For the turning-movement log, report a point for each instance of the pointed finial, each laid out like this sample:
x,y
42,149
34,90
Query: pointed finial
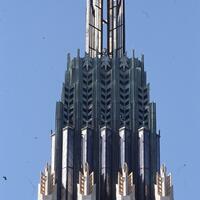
x,y
68,60
142,59
78,53
125,169
133,53
86,169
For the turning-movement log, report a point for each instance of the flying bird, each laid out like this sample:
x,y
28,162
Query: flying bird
x,y
5,178
146,14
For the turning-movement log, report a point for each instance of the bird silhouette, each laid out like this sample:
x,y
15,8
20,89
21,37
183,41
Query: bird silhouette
x,y
5,178
146,14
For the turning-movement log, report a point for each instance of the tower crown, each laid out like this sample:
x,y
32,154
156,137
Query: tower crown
x,y
105,122
114,24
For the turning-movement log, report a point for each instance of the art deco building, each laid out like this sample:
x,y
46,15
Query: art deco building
x,y
106,145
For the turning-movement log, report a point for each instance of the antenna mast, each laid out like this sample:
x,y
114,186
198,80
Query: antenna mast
x,y
115,24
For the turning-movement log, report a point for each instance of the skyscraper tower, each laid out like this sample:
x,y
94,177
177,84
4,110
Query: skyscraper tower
x,y
105,145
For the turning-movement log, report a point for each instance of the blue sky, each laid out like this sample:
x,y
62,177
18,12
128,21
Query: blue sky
x,y
35,37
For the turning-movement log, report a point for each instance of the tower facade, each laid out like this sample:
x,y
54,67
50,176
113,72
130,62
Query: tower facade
x,y
105,145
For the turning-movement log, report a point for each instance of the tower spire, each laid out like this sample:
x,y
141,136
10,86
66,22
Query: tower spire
x,y
115,27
